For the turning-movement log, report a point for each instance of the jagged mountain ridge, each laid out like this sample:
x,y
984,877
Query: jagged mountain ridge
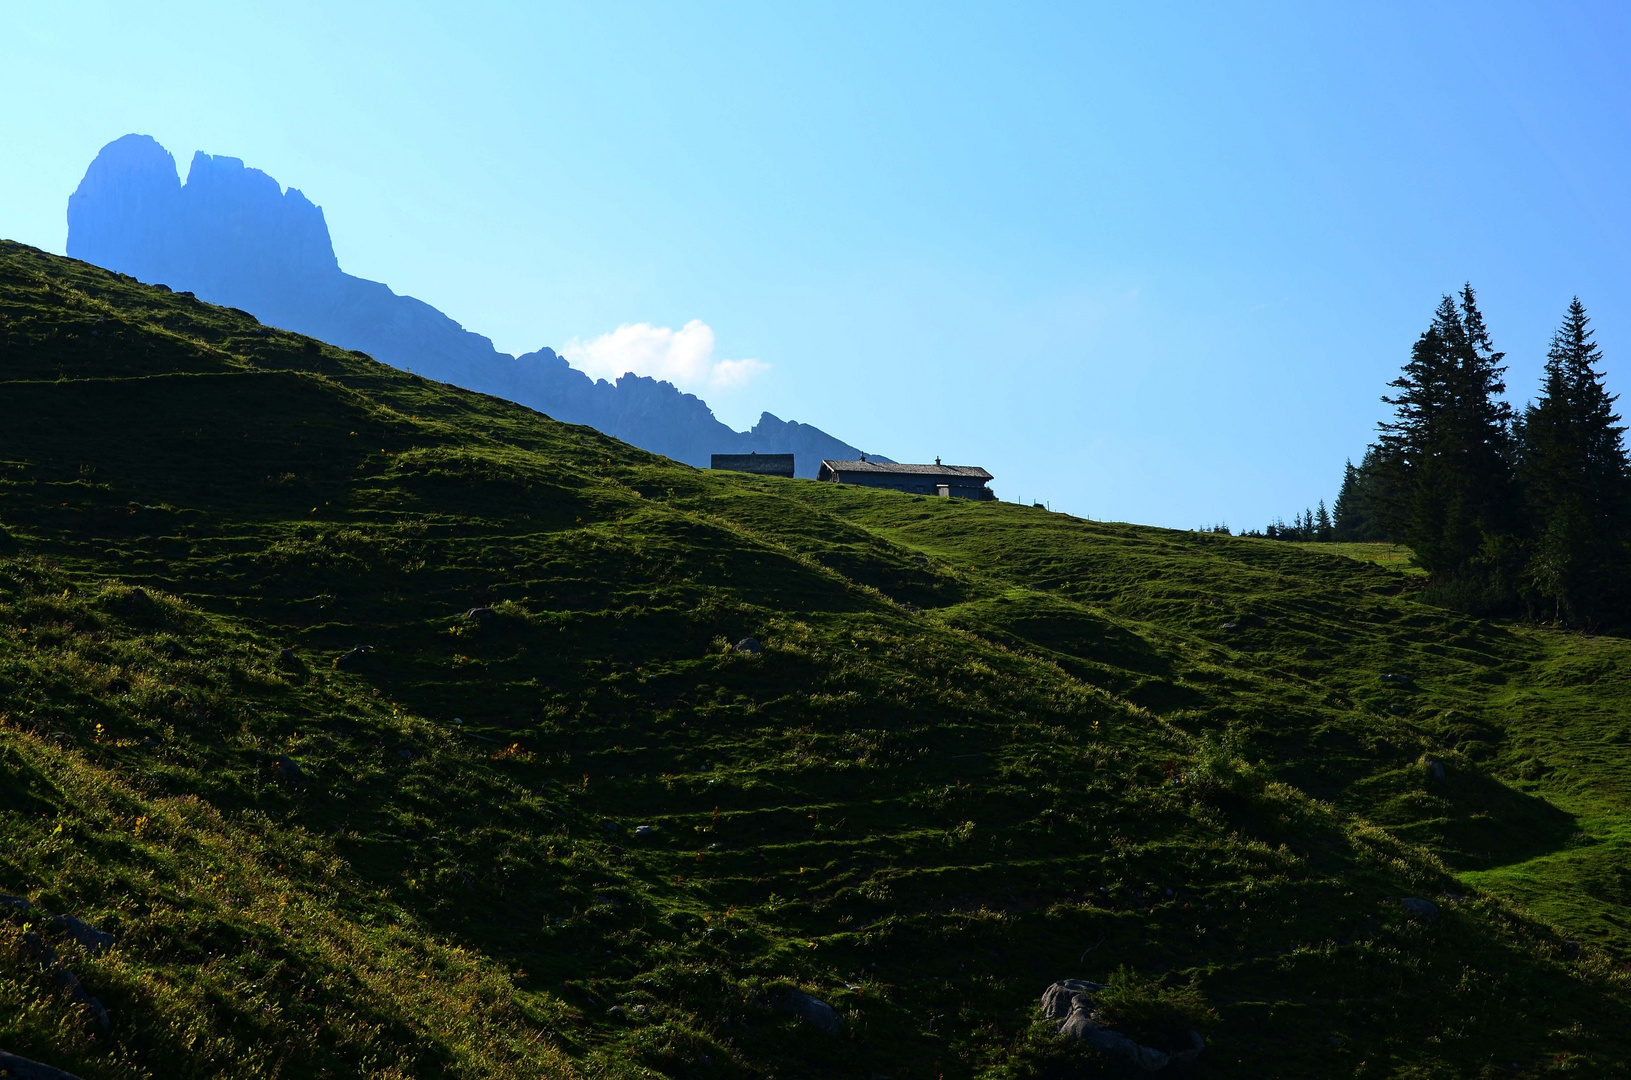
x,y
233,236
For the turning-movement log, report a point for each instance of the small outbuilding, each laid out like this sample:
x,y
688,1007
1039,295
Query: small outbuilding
x,y
946,481
756,463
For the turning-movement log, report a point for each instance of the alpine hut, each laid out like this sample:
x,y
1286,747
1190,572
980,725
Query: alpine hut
x,y
948,481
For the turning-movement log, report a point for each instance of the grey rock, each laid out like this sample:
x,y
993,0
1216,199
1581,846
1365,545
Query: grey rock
x,y
1058,999
1402,681
35,948
818,1014
481,614
13,1067
288,658
288,768
1434,767
16,903
617,1013
69,983
352,657
1419,908
748,645
1070,1002
609,826
643,831
94,941
1081,1025
1231,626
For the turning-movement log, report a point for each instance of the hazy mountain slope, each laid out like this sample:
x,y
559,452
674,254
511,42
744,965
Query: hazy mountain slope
x,y
984,747
233,236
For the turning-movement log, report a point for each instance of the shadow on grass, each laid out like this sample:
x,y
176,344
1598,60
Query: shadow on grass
x,y
1470,819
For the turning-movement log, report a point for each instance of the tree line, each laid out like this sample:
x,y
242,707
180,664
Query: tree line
x,y
1507,510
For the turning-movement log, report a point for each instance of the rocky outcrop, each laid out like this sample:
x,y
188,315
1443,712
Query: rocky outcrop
x,y
233,236
1070,1004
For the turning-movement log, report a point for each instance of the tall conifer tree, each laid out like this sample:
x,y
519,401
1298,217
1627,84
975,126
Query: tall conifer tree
x,y
1355,516
1444,463
1577,481
1345,510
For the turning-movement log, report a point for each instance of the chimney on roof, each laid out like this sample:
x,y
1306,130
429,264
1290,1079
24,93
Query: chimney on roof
x,y
863,457
937,459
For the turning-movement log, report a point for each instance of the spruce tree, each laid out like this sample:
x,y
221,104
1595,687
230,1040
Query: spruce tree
x,y
1444,463
1577,482
1345,510
1482,436
1322,523
1355,516
1406,443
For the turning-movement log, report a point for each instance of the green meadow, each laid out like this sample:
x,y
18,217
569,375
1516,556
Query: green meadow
x,y
397,731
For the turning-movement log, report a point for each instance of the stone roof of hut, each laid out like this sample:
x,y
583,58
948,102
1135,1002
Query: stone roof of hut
x,y
969,472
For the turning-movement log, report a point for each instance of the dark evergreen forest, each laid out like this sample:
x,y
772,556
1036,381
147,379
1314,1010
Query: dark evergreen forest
x,y
1523,512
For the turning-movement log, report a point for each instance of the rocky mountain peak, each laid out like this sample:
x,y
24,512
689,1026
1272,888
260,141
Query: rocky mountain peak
x,y
234,236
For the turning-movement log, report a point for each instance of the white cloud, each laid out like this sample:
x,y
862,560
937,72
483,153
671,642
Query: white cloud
x,y
685,357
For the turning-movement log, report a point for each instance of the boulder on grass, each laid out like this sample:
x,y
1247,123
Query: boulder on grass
x,y
13,1067
1060,998
818,1014
353,657
1070,1003
68,982
94,941
1418,908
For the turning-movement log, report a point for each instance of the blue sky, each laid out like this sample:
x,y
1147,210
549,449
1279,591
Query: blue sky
x,y
1146,262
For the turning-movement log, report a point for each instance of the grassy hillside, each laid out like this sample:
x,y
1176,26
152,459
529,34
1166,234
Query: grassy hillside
x,y
338,696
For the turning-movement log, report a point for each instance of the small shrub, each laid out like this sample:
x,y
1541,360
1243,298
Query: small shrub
x,y
1146,1011
515,613
138,607
1219,767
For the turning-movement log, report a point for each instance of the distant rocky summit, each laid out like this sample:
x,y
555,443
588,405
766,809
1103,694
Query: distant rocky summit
x,y
233,236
